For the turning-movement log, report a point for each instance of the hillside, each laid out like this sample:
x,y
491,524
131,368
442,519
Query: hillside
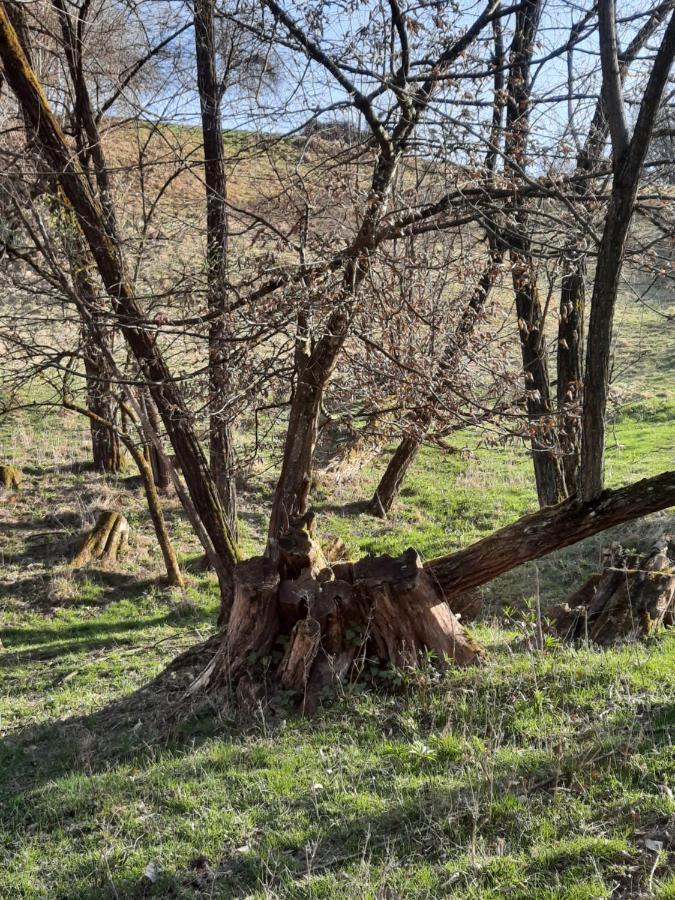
x,y
542,773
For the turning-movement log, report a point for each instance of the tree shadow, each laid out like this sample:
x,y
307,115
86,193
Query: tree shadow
x,y
138,728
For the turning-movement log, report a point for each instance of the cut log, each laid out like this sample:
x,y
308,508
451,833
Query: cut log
x,y
106,542
630,598
10,478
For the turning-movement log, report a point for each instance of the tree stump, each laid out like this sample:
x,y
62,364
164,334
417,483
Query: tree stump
x,y
632,596
309,625
10,478
106,542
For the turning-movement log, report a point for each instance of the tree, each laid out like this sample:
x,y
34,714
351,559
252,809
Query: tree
x,y
326,620
220,439
628,156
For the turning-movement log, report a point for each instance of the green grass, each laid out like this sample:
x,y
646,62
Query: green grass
x,y
535,775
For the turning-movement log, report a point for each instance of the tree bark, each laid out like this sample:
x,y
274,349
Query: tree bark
x,y
573,291
96,350
630,598
334,622
151,426
547,469
10,478
627,158
220,436
105,250
106,541
549,529
569,363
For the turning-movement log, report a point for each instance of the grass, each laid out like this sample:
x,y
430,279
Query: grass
x,y
537,775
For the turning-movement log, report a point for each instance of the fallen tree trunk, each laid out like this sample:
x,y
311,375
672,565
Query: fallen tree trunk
x,y
300,625
549,529
106,541
630,598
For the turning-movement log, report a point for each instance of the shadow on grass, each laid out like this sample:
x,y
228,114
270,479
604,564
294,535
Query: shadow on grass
x,y
427,823
85,637
447,808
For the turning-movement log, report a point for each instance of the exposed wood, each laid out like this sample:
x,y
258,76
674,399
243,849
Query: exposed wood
x,y
547,530
106,542
379,611
630,598
10,477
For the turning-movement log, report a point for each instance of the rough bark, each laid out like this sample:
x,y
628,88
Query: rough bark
x,y
390,483
549,529
106,452
151,426
101,238
628,157
630,598
106,542
96,349
547,467
573,289
569,363
330,622
220,437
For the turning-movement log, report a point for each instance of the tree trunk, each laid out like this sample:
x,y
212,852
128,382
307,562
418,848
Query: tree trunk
x,y
105,444
10,478
569,358
220,437
102,240
151,426
331,622
173,573
547,469
390,483
628,156
549,529
573,289
301,625
106,541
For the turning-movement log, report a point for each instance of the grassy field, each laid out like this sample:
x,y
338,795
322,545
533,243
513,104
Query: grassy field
x,y
541,774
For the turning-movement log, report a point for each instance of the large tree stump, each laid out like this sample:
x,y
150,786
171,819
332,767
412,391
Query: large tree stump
x,y
106,541
10,478
305,625
631,597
